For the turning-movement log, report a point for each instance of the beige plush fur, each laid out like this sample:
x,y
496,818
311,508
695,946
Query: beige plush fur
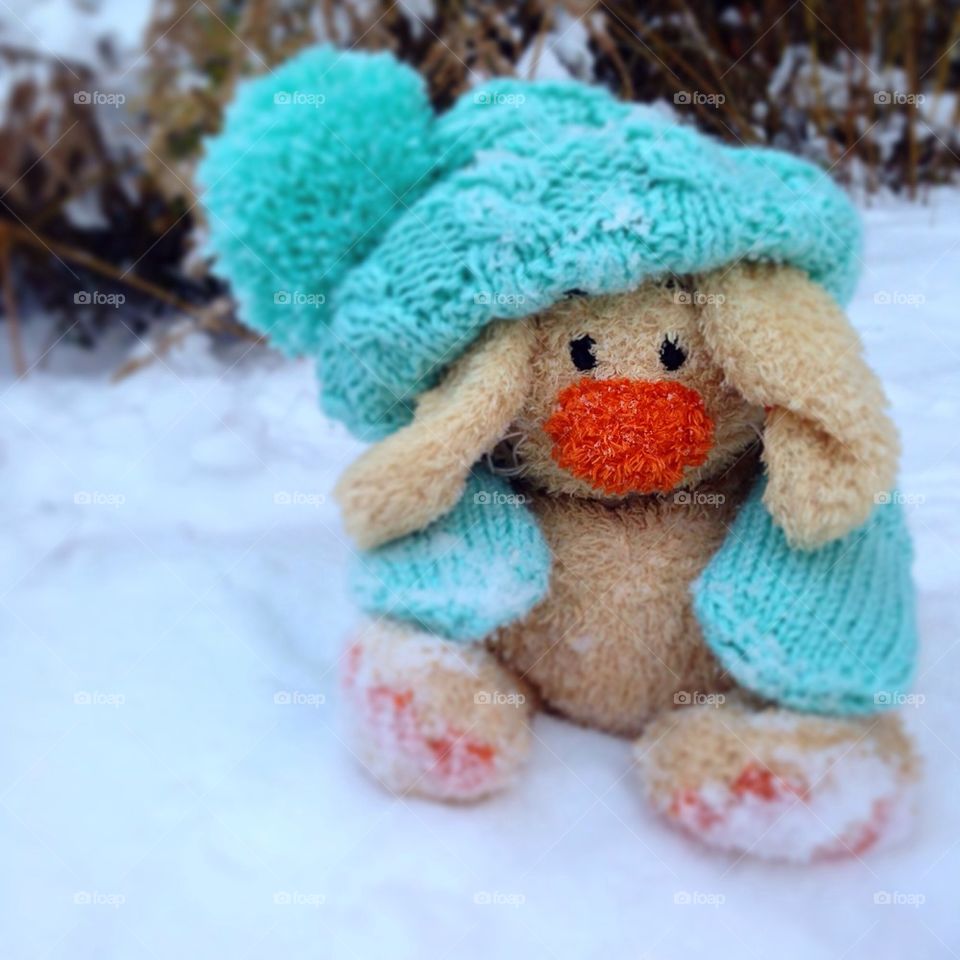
x,y
829,447
615,643
713,743
418,474
616,640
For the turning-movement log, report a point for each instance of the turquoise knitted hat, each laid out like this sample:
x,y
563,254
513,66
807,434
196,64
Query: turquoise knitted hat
x,y
357,226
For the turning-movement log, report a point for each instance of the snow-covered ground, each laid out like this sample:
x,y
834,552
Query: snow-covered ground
x,y
172,779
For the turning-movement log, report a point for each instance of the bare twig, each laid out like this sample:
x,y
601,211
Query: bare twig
x,y
910,63
10,305
97,265
214,319
546,24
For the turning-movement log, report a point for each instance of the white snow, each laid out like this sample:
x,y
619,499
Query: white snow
x,y
564,53
72,29
172,778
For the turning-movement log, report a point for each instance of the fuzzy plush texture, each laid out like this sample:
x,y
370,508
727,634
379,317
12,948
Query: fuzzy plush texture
x,y
480,566
297,191
831,630
419,473
419,232
630,436
780,785
616,641
829,448
431,719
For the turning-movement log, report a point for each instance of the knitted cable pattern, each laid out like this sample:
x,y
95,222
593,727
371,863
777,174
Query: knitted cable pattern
x,y
596,208
484,564
356,225
830,630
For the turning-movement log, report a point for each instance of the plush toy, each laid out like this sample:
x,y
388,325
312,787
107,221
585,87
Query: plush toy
x,y
631,465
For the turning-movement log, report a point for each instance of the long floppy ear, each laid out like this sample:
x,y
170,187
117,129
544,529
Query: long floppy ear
x,y
418,473
829,447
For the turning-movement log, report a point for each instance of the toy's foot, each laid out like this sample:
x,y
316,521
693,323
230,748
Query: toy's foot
x,y
431,718
780,785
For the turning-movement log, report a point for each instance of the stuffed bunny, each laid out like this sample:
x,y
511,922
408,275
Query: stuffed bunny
x,y
631,466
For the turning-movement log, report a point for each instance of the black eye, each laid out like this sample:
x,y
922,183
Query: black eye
x,y
672,355
581,353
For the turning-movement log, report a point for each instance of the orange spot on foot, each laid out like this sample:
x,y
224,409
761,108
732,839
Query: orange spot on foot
x,y
455,754
759,781
690,809
861,837
458,764
382,694
351,665
482,751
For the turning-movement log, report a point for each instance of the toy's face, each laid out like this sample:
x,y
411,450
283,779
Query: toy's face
x,y
625,398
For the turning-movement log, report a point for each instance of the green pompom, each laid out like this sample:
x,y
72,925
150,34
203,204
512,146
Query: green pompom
x,y
314,162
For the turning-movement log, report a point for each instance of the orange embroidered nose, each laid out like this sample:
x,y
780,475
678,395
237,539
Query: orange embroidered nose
x,y
629,436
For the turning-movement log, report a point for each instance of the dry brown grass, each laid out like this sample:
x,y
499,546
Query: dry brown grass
x,y
803,75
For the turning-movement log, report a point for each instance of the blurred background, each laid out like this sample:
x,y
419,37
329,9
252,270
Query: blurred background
x,y
104,105
173,778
